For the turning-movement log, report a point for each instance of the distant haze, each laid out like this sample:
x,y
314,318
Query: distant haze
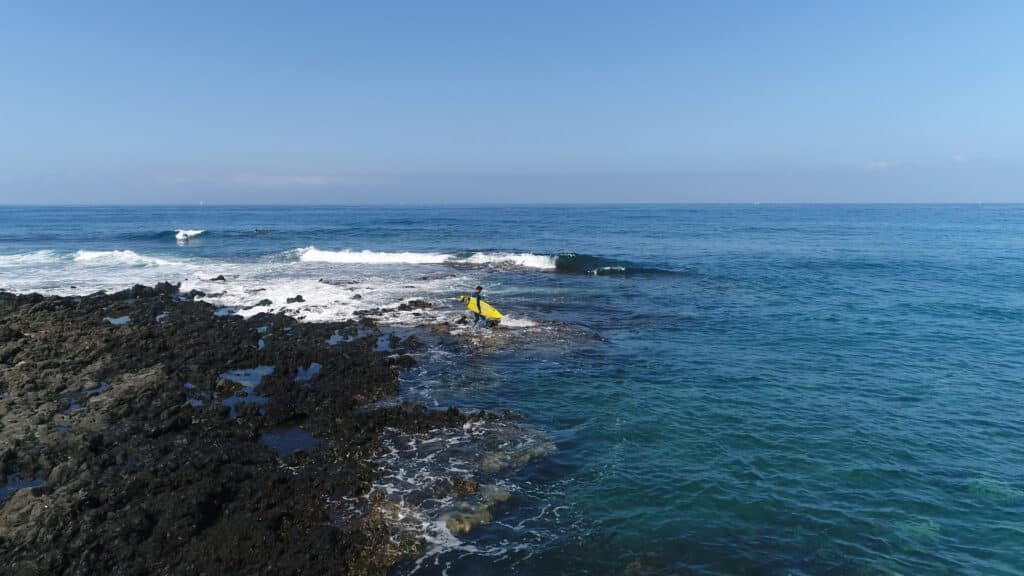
x,y
470,102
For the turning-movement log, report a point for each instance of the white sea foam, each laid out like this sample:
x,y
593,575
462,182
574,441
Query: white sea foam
x,y
116,258
415,465
516,259
184,235
36,258
85,271
246,295
312,254
523,260
251,287
330,292
514,322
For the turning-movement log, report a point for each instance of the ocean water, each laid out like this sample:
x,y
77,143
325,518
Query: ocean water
x,y
757,389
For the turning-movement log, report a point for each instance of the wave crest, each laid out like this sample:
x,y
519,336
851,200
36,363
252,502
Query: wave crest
x,y
29,258
522,260
567,262
512,259
116,258
312,254
185,235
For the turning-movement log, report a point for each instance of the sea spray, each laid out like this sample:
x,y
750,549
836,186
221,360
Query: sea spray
x,y
185,235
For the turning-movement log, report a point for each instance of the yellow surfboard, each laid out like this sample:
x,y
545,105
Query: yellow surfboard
x,y
486,310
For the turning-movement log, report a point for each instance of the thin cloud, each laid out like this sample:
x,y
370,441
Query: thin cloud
x,y
880,166
282,181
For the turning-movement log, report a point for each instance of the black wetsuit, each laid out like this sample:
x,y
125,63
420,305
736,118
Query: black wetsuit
x,y
477,316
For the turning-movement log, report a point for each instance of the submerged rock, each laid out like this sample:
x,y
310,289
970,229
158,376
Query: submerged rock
x,y
465,520
464,486
462,523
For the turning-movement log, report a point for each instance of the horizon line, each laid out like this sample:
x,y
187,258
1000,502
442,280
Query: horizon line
x,y
508,204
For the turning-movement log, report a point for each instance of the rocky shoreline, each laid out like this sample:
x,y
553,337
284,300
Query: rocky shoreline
x,y
142,433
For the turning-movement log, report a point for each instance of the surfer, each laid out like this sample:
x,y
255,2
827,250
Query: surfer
x,y
483,313
478,318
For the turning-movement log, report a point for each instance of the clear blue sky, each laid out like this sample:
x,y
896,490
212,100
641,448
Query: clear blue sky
x,y
180,102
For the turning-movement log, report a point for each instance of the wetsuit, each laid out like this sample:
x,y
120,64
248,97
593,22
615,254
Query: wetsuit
x,y
478,318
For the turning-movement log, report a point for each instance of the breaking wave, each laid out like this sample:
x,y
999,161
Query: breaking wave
x,y
522,260
29,258
116,258
566,262
185,235
312,254
81,257
180,235
516,259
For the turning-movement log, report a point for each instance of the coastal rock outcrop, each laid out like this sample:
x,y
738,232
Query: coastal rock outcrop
x,y
135,447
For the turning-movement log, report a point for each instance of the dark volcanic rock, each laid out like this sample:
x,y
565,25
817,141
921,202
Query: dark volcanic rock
x,y
414,305
296,298
143,468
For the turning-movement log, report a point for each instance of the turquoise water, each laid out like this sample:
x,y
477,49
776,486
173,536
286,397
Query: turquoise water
x,y
728,389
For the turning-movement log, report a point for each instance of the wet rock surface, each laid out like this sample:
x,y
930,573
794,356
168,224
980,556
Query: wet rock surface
x,y
133,463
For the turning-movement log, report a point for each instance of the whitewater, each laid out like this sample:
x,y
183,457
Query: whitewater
x,y
268,282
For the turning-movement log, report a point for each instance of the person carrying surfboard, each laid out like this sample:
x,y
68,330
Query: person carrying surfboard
x,y
474,302
483,313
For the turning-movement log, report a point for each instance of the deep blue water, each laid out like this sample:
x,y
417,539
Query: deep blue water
x,y
758,389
